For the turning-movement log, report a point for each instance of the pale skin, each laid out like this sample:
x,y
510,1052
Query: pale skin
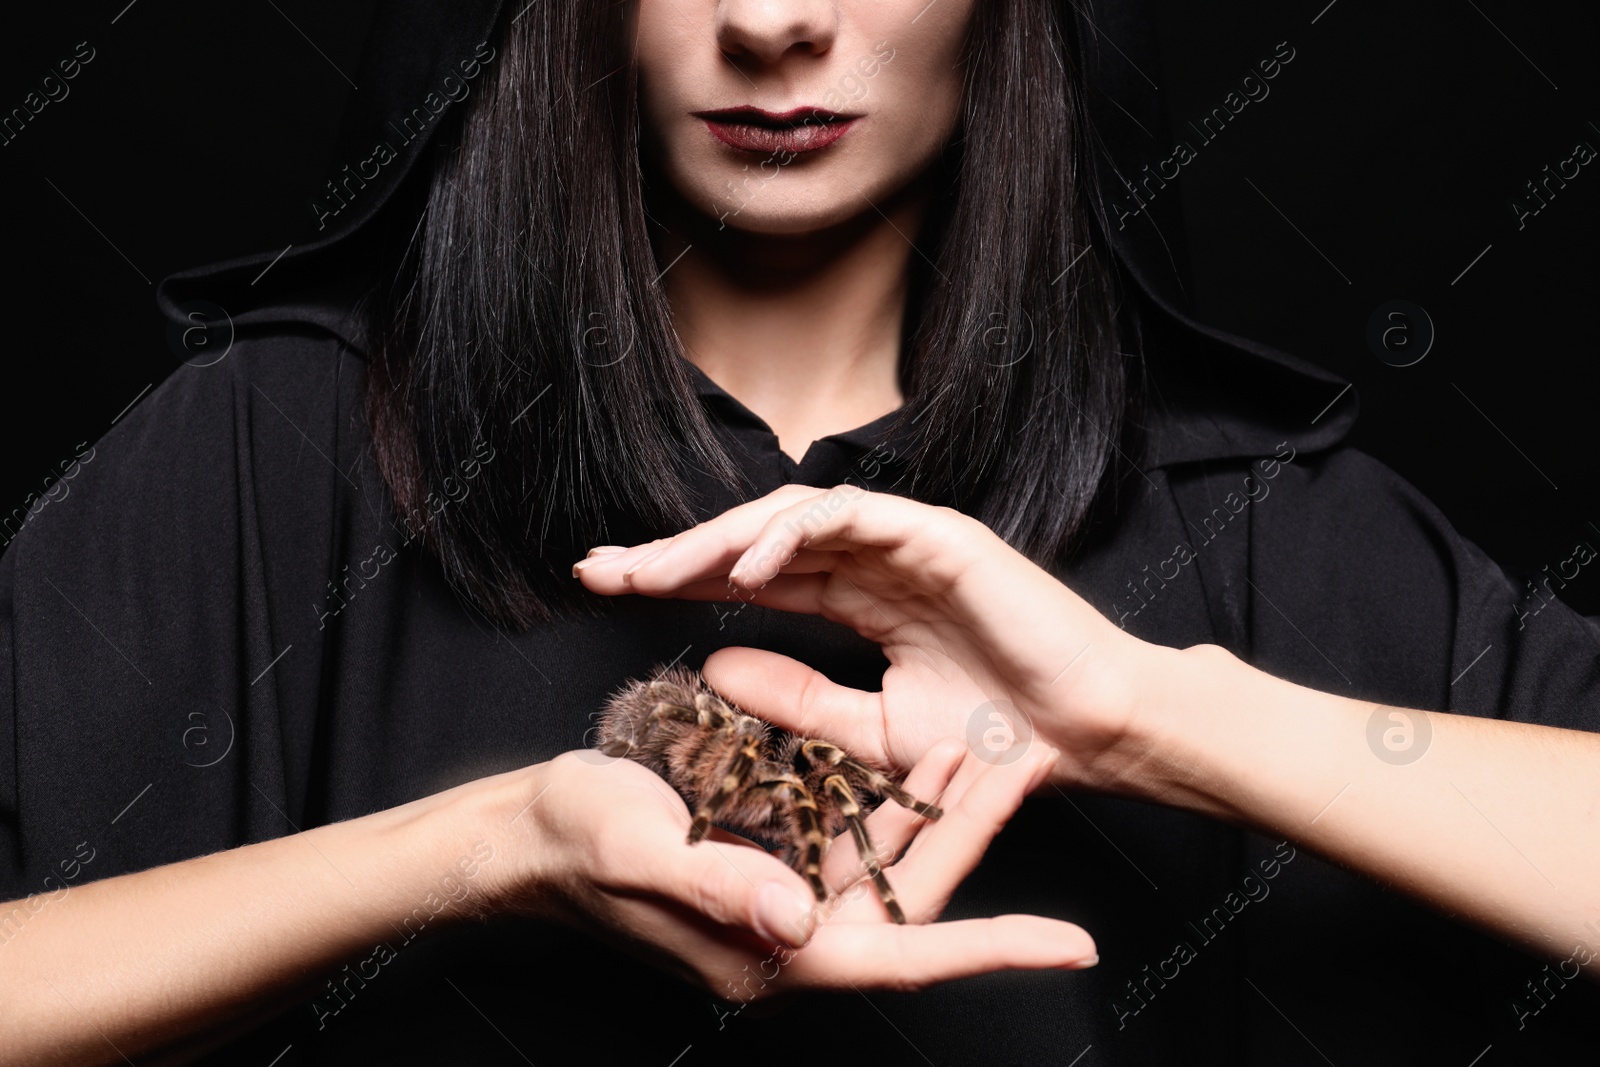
x,y
168,963
964,619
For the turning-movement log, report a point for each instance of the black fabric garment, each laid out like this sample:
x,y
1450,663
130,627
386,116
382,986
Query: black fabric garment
x,y
181,680
223,634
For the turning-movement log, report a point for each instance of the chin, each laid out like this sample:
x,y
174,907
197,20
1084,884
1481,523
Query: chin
x,y
796,204
792,219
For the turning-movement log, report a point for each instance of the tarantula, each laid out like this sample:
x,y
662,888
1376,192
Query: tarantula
x,y
750,776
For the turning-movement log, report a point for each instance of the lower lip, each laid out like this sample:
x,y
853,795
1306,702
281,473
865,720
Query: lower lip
x,y
762,139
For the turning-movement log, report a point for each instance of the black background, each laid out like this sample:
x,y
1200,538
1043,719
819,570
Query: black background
x,y
1382,163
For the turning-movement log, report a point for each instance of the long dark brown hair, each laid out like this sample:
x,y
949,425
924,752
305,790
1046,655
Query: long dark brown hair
x,y
523,313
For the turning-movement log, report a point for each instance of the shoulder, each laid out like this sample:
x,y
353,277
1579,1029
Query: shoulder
x,y
1326,505
1346,505
147,613
1352,580
206,517
257,429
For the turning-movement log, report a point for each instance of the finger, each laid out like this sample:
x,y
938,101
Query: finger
x,y
801,561
914,957
955,786
802,589
946,851
892,827
734,885
800,699
848,517
708,548
616,573
967,772
750,543
618,560
728,837
800,593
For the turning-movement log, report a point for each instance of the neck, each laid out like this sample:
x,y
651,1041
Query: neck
x,y
804,330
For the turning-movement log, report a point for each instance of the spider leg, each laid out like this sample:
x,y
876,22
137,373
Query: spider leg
x,y
709,708
706,707
850,808
877,781
664,709
744,761
803,809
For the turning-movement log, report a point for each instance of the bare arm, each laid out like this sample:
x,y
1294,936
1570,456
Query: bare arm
x,y
179,958
1497,822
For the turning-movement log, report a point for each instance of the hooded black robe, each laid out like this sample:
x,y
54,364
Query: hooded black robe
x,y
224,633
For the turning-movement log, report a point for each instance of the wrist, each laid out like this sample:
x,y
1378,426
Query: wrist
x,y
1191,707
498,815
1190,695
1215,735
1100,708
457,849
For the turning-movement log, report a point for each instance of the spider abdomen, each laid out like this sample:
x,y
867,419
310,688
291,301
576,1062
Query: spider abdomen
x,y
751,777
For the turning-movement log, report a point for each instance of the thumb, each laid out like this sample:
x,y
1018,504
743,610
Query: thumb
x,y
804,701
737,885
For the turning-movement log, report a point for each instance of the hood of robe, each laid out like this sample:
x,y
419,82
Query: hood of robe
x,y
1214,395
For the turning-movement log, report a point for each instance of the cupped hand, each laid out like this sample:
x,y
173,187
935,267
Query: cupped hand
x,y
606,852
982,643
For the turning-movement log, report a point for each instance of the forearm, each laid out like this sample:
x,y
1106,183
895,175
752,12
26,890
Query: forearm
x,y
177,958
1496,822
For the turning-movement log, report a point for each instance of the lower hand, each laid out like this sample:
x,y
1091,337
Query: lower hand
x,y
604,850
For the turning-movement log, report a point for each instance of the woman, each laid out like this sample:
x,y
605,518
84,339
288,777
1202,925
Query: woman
x,y
843,288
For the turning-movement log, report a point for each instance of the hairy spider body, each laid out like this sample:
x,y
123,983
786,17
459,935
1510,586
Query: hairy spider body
x,y
752,777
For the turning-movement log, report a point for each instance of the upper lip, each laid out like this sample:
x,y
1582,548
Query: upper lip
x,y
747,114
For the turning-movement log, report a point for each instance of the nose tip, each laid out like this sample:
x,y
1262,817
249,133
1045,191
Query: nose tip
x,y
764,31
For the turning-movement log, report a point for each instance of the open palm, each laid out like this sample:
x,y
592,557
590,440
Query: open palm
x,y
606,840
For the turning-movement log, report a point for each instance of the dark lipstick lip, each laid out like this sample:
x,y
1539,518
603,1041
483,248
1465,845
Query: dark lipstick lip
x,y
750,115
788,134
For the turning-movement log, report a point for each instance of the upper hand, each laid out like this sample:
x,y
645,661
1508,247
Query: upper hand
x,y
979,639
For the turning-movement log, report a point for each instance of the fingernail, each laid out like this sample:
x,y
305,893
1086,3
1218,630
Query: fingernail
x,y
1084,964
1047,763
782,917
595,555
629,572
